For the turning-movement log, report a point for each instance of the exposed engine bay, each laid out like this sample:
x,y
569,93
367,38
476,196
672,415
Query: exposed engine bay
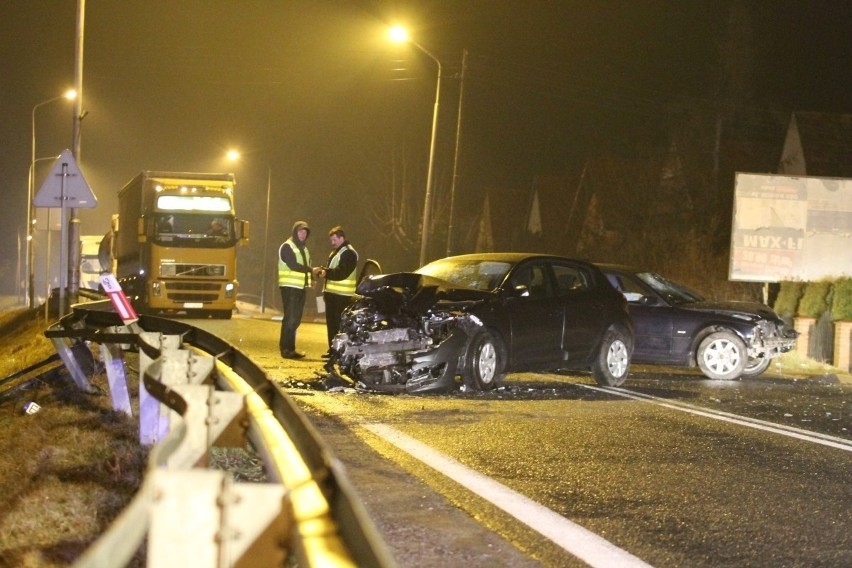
x,y
406,332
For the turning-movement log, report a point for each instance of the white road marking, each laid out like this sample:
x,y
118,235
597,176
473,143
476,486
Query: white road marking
x,y
791,431
576,540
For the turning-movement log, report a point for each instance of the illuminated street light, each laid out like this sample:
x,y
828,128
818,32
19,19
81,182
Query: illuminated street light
x,y
70,95
234,155
400,35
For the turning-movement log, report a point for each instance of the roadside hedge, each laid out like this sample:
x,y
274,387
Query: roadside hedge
x,y
841,300
813,299
787,301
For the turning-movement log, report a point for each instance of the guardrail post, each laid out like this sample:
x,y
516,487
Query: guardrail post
x,y
116,376
69,350
244,525
153,426
213,418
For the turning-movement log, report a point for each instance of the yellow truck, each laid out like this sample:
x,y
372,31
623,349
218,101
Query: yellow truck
x,y
173,243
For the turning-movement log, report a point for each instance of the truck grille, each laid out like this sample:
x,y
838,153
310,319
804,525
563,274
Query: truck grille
x,y
192,291
174,270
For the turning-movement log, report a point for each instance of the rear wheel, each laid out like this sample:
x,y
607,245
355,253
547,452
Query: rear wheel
x,y
613,360
485,362
722,356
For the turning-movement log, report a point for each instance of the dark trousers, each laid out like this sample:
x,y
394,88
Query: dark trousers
x,y
334,306
293,302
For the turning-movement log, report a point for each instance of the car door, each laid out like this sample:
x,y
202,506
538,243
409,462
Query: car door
x,y
652,318
583,313
535,317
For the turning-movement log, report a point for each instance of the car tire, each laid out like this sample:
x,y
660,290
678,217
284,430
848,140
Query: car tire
x,y
485,362
756,366
613,360
722,356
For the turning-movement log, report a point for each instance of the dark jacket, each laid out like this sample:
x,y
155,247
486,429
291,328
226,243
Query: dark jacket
x,y
288,255
348,262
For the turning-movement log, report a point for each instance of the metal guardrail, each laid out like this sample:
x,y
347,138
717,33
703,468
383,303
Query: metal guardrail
x,y
196,516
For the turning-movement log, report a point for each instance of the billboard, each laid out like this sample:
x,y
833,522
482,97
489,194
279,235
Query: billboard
x,y
791,228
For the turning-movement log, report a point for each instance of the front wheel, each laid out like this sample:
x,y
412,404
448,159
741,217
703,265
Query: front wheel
x,y
756,366
613,360
485,362
722,356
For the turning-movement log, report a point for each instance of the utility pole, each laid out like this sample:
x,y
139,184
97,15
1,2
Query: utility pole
x,y
73,243
456,157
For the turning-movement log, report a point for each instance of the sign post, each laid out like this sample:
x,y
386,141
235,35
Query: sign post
x,y
119,299
65,187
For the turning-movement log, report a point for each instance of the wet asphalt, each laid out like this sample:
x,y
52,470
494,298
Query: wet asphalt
x,y
673,469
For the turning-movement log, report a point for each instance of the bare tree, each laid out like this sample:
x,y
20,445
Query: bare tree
x,y
395,214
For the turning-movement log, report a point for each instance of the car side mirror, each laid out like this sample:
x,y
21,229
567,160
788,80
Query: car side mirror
x,y
521,290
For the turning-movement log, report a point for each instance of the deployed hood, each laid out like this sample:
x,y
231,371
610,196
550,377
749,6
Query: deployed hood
x,y
414,293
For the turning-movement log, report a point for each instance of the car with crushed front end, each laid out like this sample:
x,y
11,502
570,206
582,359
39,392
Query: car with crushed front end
x,y
479,316
676,326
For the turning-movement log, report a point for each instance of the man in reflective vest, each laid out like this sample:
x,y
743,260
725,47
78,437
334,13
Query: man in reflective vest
x,y
340,282
294,276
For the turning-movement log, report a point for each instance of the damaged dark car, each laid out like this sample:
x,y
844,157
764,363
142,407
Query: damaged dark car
x,y
677,326
479,316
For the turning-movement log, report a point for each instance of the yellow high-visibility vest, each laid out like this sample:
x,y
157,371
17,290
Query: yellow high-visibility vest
x,y
345,287
292,278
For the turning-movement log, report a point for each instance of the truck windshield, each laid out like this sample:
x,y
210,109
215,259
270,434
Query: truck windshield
x,y
194,229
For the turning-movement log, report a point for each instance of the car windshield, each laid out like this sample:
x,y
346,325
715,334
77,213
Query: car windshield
x,y
475,274
672,292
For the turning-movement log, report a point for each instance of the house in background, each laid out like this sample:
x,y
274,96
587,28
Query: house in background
x,y
818,144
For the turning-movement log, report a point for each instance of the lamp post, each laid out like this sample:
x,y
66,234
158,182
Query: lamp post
x,y
71,94
399,35
30,244
265,240
234,155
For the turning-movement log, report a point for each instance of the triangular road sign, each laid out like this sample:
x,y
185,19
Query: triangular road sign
x,y
65,186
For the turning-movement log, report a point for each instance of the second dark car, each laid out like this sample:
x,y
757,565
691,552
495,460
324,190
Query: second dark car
x,y
479,316
675,326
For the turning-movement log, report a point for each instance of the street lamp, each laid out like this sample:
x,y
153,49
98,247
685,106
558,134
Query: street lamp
x,y
234,155
70,95
400,35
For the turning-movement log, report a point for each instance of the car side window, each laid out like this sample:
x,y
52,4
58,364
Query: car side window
x,y
569,279
536,279
631,289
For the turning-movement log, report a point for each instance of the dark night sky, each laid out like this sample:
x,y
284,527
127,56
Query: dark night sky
x,y
312,90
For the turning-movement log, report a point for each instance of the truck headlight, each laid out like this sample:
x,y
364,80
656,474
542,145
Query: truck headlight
x,y
229,289
155,289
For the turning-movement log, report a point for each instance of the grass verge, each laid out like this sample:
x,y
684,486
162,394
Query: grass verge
x,y
67,471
